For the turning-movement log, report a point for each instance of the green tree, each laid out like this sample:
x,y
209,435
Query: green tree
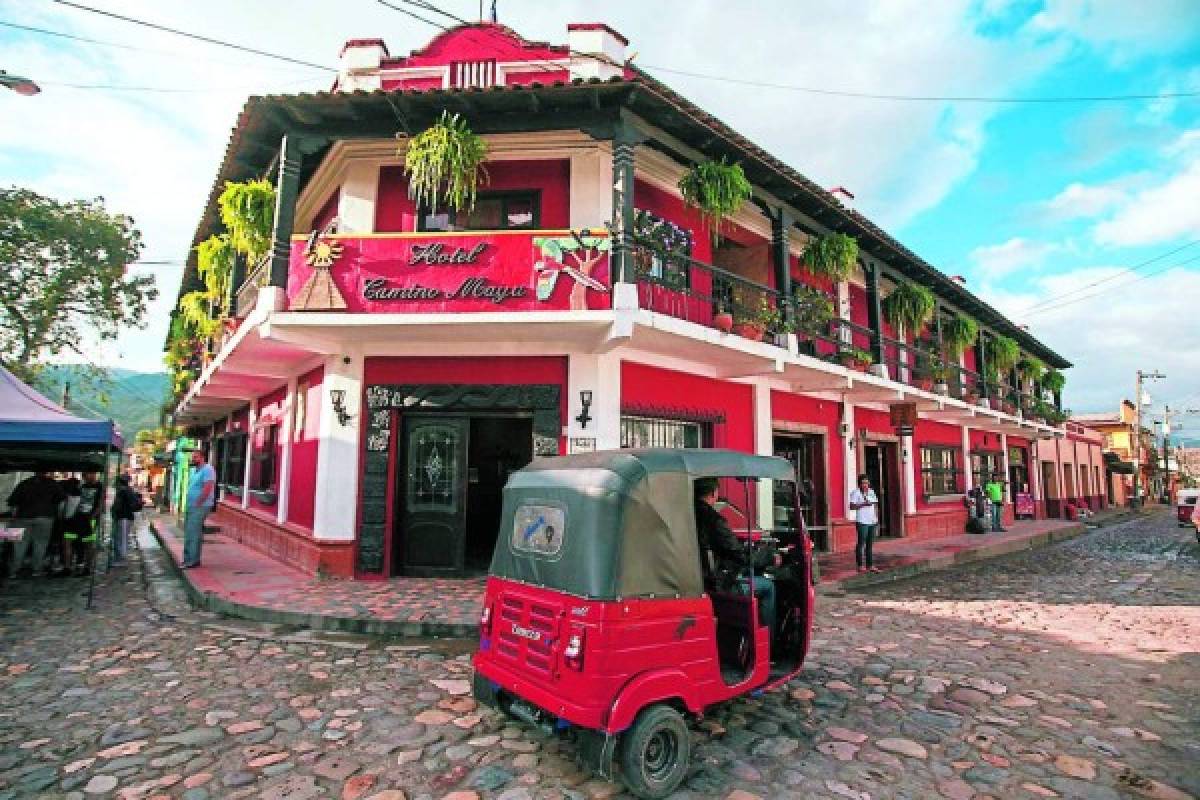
x,y
63,273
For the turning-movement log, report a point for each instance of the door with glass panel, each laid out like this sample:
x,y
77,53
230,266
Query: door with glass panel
x,y
432,489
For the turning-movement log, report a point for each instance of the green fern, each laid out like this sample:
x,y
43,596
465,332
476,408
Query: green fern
x,y
833,256
1054,380
248,213
718,189
958,334
910,305
1003,354
445,161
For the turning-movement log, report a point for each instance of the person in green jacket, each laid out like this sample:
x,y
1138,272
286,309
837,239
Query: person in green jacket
x,y
995,492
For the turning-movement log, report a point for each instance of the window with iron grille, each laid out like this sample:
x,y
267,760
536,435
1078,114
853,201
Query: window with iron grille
x,y
985,464
939,470
233,468
265,468
640,431
493,211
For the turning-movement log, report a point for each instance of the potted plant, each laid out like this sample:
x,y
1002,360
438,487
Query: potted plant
x,y
832,256
959,333
717,188
1031,368
723,320
811,310
939,373
909,307
445,162
754,321
1003,354
855,358
1054,381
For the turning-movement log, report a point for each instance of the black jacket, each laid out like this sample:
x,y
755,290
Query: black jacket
x,y
126,503
36,496
715,534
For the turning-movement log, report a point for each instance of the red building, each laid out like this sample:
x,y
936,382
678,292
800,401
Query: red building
x,y
385,378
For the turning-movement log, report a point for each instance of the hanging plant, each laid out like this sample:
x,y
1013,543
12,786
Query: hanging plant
x,y
248,212
1031,368
910,306
718,189
445,163
812,310
215,257
1003,354
958,334
833,256
1054,380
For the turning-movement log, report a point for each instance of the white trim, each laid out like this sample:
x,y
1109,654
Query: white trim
x,y
251,422
908,474
335,500
850,451
968,478
284,481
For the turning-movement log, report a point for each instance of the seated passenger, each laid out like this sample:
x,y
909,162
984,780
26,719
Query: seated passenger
x,y
715,534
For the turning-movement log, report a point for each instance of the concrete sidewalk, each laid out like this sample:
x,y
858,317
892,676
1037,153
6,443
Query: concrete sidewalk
x,y
239,581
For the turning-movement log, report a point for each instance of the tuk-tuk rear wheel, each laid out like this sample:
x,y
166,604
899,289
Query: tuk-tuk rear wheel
x,y
654,752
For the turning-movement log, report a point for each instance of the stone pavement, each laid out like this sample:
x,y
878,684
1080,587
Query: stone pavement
x,y
239,581
1072,671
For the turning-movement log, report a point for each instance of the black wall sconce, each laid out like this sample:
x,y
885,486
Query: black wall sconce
x,y
585,400
338,398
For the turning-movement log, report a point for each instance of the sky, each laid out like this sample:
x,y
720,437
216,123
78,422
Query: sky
x,y
1079,219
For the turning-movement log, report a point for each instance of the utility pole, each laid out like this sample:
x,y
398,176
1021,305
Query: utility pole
x,y
66,394
1137,431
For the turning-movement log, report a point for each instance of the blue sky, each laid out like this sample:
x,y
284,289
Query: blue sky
x,y
1030,202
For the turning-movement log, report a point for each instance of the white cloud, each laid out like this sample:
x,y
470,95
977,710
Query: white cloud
x,y
1080,200
1105,330
1162,213
1120,29
998,260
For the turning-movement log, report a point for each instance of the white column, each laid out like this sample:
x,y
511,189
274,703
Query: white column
x,y
764,445
843,310
251,422
285,458
909,477
336,490
850,478
1008,495
591,188
600,374
356,204
968,479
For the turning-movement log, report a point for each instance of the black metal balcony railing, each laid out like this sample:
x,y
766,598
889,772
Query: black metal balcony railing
x,y
247,293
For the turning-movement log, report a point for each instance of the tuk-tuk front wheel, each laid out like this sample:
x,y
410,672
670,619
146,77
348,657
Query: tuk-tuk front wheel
x,y
654,752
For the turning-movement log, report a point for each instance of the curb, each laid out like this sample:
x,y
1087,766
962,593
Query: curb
x,y
984,553
209,601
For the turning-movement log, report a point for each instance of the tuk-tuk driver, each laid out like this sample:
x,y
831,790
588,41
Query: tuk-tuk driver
x,y
715,534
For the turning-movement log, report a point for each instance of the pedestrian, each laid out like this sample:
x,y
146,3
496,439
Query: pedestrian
x,y
126,503
84,524
995,492
865,505
72,487
200,494
35,503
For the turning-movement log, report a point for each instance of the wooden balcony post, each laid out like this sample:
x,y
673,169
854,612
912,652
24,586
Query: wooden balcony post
x,y
237,276
625,140
875,312
287,189
981,364
781,223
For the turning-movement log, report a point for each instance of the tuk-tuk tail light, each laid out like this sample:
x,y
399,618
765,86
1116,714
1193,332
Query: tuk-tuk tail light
x,y
573,654
485,619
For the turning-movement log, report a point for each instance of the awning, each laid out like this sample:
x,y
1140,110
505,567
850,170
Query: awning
x,y
36,433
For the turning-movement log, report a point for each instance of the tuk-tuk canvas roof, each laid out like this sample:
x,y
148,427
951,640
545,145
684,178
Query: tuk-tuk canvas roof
x,y
630,522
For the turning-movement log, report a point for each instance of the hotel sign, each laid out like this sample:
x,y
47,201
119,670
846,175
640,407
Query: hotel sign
x,y
495,271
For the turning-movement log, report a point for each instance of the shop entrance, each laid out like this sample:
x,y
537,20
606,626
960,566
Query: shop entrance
x,y
453,468
880,463
806,451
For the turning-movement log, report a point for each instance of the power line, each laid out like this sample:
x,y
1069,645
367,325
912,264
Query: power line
x,y
1096,294
926,98
122,46
109,87
1127,270
195,36
408,13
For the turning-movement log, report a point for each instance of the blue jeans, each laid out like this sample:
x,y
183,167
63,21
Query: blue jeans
x,y
193,534
997,510
862,547
764,590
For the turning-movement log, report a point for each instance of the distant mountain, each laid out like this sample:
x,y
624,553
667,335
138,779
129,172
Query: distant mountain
x,y
134,400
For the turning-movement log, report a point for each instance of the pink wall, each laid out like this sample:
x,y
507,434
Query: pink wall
x,y
270,414
305,444
645,388
494,42
395,212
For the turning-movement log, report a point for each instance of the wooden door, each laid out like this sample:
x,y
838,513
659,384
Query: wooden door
x,y
433,486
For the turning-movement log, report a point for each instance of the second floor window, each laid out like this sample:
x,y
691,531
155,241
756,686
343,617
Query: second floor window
x,y
493,211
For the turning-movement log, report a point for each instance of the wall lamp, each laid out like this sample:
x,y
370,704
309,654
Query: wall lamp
x,y
585,400
338,398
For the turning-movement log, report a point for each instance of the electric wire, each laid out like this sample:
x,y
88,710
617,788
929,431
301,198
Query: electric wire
x,y
195,36
1150,274
1125,271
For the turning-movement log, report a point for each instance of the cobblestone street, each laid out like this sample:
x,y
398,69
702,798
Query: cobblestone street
x,y
1071,671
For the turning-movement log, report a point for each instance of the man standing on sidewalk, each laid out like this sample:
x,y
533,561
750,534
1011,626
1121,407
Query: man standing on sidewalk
x,y
201,488
995,493
865,505
35,503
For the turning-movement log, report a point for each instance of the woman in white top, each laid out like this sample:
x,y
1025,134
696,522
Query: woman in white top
x,y
865,505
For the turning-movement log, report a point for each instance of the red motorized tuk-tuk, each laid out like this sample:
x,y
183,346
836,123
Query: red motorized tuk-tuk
x,y
603,617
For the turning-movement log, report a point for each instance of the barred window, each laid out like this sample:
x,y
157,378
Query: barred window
x,y
939,470
638,431
984,465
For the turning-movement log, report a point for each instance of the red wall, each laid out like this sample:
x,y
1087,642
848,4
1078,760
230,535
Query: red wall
x,y
647,388
305,444
672,208
478,43
395,212
328,211
940,433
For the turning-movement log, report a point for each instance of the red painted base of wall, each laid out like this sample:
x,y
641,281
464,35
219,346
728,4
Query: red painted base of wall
x,y
292,546
933,523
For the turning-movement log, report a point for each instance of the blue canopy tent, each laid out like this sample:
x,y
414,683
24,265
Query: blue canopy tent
x,y
37,434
